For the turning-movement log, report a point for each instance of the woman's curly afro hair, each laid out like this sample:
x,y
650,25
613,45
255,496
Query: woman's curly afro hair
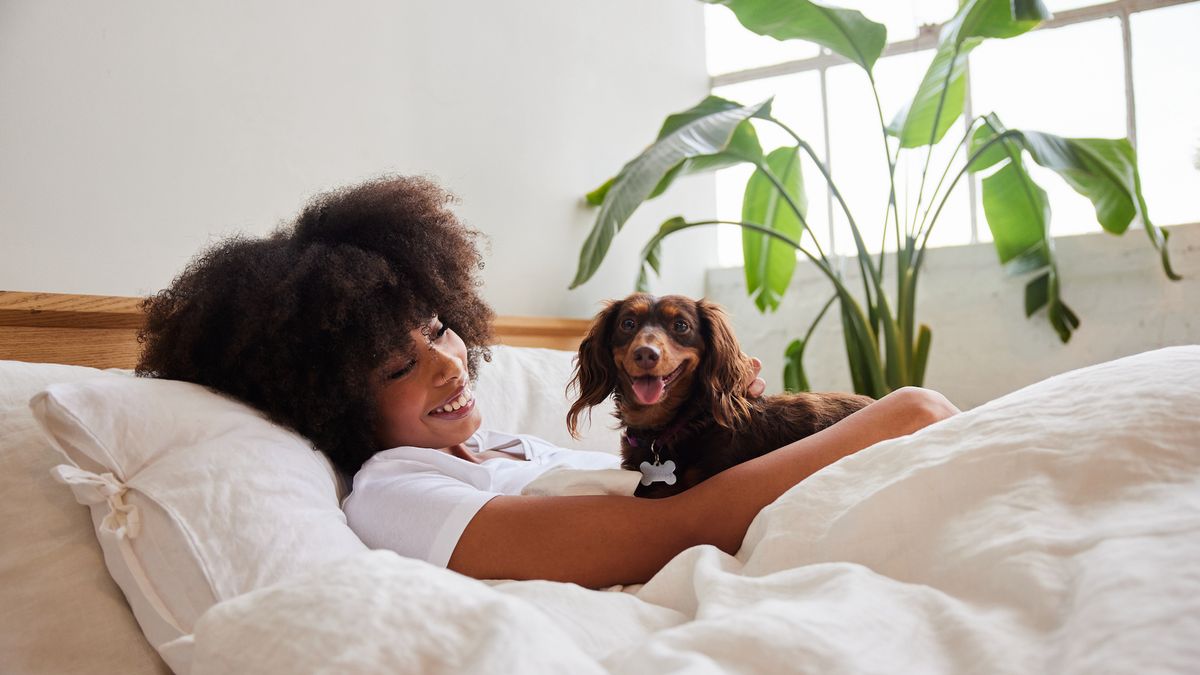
x,y
296,324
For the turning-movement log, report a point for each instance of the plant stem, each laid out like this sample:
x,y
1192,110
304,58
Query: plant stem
x,y
950,190
887,151
937,117
819,262
812,327
795,207
945,172
864,262
867,339
874,276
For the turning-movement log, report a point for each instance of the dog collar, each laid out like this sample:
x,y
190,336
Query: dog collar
x,y
663,439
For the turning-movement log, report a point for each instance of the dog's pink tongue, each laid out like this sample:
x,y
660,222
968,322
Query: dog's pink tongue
x,y
648,389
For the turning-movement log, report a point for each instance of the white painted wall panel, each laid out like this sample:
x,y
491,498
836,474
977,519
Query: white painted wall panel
x,y
133,132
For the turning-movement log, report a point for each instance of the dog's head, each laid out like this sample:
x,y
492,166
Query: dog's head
x,y
653,355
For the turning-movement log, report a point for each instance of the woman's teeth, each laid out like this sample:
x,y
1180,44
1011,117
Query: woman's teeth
x,y
463,399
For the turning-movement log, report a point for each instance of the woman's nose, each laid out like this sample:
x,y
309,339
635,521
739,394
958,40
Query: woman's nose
x,y
449,367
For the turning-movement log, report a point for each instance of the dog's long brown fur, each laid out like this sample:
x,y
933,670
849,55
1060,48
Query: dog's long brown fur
x,y
704,421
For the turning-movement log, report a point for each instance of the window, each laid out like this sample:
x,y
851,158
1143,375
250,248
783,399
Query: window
x,y
1112,69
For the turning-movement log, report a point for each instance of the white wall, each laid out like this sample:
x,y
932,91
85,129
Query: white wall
x,y
133,132
983,346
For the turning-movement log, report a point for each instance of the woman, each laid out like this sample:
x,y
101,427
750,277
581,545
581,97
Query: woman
x,y
361,327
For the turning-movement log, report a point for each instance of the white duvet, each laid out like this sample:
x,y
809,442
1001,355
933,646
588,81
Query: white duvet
x,y
1055,530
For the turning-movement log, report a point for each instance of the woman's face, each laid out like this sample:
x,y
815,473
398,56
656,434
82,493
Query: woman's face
x,y
416,394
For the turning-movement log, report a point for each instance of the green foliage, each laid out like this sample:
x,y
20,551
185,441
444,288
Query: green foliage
x,y
769,263
885,348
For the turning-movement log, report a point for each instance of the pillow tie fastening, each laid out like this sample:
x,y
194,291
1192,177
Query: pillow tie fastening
x,y
123,521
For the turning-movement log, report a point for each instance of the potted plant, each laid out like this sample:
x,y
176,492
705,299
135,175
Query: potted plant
x,y
884,347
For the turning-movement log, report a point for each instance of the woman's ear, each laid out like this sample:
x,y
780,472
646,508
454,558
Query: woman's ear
x,y
595,376
725,371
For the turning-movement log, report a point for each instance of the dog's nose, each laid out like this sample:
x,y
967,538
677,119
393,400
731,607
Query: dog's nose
x,y
645,357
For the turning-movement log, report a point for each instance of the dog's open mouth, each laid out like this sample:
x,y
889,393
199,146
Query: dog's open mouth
x,y
649,389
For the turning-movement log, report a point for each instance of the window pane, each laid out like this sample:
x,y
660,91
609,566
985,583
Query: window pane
x,y
798,105
1068,81
902,17
730,47
1061,5
1167,90
860,167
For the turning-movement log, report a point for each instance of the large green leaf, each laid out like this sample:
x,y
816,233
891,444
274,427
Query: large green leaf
x,y
769,263
1018,214
939,99
1102,169
1105,171
706,134
844,31
1015,207
743,147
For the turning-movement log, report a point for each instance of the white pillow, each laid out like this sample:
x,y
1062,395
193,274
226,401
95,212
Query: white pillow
x,y
60,612
523,391
195,498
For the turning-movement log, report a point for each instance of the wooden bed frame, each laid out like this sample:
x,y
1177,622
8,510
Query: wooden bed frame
x,y
101,330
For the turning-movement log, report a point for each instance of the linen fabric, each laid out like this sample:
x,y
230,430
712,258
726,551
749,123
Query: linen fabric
x,y
195,498
417,501
1054,530
60,611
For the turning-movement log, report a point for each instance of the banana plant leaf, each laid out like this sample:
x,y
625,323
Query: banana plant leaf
x,y
794,378
650,263
1043,291
743,147
705,134
1105,171
939,99
770,263
1102,169
843,31
1018,214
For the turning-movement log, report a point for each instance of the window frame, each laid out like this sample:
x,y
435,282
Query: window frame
x,y
927,38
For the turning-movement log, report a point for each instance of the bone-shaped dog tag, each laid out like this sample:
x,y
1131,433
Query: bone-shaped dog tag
x,y
658,473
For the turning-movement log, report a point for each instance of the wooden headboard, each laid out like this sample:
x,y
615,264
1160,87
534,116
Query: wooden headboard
x,y
101,330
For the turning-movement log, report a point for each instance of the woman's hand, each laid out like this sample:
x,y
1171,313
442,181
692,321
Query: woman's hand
x,y
599,541
756,386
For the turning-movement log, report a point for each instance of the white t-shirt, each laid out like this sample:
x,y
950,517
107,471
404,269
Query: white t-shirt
x,y
418,501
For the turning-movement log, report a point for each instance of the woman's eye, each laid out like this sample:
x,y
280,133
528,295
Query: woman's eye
x,y
681,327
628,324
397,374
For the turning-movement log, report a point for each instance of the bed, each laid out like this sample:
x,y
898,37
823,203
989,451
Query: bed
x,y
1055,529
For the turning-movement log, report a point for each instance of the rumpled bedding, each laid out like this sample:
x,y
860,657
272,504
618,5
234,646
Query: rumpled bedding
x,y
1054,530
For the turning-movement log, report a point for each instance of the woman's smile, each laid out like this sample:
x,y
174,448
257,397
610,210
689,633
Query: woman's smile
x,y
423,396
456,407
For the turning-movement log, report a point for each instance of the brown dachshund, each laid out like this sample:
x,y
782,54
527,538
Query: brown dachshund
x,y
678,377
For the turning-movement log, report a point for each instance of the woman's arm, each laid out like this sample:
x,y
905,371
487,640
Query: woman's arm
x,y
599,541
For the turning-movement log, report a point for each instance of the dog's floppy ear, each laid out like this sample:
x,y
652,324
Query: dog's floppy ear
x,y
725,370
595,374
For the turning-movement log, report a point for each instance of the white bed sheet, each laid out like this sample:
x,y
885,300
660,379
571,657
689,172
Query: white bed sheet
x,y
1054,530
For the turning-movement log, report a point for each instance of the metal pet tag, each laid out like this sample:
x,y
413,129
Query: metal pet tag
x,y
658,473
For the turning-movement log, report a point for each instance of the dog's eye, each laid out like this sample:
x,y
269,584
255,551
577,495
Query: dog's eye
x,y
681,326
628,324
